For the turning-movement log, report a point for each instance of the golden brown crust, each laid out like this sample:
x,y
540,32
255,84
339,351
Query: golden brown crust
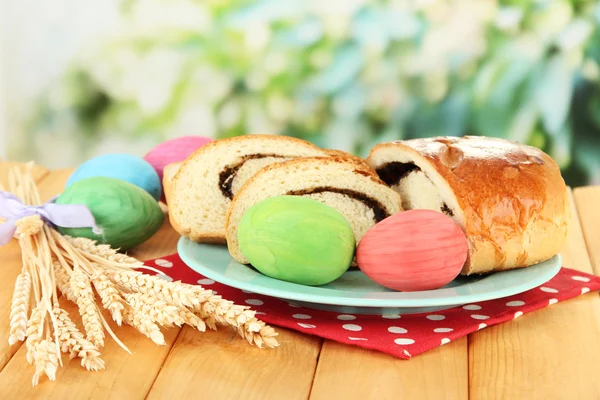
x,y
351,157
511,195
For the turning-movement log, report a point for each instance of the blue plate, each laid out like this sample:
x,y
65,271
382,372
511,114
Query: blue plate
x,y
354,292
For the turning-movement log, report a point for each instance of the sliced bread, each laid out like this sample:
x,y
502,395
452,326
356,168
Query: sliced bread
x,y
342,183
203,185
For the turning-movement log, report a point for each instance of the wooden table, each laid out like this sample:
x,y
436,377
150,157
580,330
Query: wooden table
x,y
553,353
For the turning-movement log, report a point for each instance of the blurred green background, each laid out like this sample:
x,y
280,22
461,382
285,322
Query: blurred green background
x,y
342,74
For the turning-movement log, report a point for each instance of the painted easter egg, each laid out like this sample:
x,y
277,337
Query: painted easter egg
x,y
125,167
174,150
297,239
126,214
413,250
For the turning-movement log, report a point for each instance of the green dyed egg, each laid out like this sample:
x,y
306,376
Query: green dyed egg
x,y
297,239
127,214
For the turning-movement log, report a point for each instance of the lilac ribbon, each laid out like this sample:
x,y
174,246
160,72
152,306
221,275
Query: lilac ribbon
x,y
64,215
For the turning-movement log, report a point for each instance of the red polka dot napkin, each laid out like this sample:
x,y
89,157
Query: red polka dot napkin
x,y
402,336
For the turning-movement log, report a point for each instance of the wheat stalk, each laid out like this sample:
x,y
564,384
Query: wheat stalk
x,y
20,308
63,282
208,306
45,359
35,326
173,293
92,322
101,253
143,323
110,296
75,344
78,265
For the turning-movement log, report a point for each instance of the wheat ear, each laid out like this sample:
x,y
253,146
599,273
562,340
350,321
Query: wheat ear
x,y
20,308
46,360
102,253
143,323
162,312
90,315
208,306
35,326
75,344
111,299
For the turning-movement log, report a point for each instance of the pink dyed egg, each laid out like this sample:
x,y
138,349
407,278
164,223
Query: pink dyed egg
x,y
174,150
413,250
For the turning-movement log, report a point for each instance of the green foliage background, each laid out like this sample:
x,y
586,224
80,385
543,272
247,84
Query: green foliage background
x,y
345,74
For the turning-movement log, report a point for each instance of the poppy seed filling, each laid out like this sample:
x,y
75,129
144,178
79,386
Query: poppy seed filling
x,y
229,173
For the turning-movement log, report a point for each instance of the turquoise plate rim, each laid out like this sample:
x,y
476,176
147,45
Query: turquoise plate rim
x,y
493,286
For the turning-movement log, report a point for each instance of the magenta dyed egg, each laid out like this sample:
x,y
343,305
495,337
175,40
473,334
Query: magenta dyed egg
x,y
174,150
413,250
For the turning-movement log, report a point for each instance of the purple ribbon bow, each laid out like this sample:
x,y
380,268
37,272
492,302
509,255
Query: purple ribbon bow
x,y
64,215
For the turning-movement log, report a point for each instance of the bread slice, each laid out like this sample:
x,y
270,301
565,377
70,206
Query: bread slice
x,y
346,185
510,199
169,173
204,184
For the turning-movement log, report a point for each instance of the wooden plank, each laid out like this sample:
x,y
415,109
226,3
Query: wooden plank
x,y
37,171
11,261
587,203
223,366
347,372
548,354
126,376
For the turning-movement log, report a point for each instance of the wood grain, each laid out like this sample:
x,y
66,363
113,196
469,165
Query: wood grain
x,y
220,365
587,200
11,260
548,354
126,376
346,372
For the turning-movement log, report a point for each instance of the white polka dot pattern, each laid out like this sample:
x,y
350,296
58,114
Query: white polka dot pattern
x,y
391,316
255,302
346,317
481,326
357,338
435,317
478,316
163,263
472,307
205,281
352,327
403,341
518,314
580,278
548,289
515,303
444,341
396,329
301,316
307,326
552,301
584,290
443,330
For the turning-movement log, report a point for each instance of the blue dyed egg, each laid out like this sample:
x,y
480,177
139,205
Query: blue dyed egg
x,y
125,167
